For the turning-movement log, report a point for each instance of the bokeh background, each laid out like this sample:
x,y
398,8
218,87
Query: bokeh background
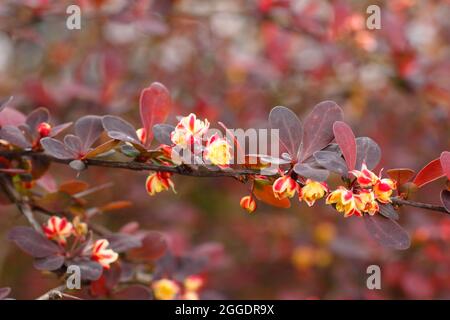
x,y
233,60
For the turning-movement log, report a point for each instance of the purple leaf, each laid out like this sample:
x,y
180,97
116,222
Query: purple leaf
x,y
387,232
154,105
367,151
49,263
162,132
119,129
57,149
4,292
74,143
120,242
33,243
60,128
318,128
388,211
346,140
10,116
290,129
90,270
36,117
89,129
331,161
14,136
309,172
445,198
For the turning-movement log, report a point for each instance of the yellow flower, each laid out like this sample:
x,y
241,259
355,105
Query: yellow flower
x,y
189,131
312,191
383,190
303,257
248,203
365,177
158,182
345,202
218,151
365,201
324,233
284,187
165,289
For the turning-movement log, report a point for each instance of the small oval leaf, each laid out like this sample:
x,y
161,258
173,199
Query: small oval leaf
x,y
306,171
388,211
88,128
445,198
118,128
57,149
50,263
332,161
387,232
345,138
432,171
445,163
401,175
290,129
162,133
367,151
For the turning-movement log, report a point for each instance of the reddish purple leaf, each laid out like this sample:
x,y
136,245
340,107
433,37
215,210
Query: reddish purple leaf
x,y
33,243
387,232
367,151
432,171
74,143
36,117
57,149
120,242
154,245
90,270
49,263
14,136
331,161
309,172
162,133
346,140
290,129
445,199
388,211
318,128
60,128
155,104
119,129
445,163
89,129
9,116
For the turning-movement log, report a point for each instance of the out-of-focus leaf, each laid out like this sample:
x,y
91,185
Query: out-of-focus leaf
x,y
49,263
12,117
401,175
88,128
388,211
4,103
57,149
120,242
74,143
162,132
318,128
36,117
154,245
59,128
14,136
129,151
47,182
4,292
346,140
367,151
331,161
116,205
445,199
119,129
39,166
305,170
387,232
432,171
54,202
154,105
290,129
90,270
134,292
264,193
101,149
33,243
445,163
73,186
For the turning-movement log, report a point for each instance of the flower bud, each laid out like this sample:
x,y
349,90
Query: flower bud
x,y
248,203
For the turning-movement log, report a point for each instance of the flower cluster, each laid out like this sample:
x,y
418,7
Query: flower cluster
x,y
166,289
286,187
59,230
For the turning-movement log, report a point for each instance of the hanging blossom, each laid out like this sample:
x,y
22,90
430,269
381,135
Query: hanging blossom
x,y
158,182
344,201
284,187
312,191
248,203
58,229
102,255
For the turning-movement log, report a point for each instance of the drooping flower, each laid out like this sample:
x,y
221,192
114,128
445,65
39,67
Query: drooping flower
x,y
189,131
193,283
345,201
158,182
58,229
383,190
102,255
44,129
165,289
248,203
365,177
312,191
218,151
365,201
284,187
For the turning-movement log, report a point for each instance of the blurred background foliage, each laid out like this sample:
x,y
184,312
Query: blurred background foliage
x,y
232,61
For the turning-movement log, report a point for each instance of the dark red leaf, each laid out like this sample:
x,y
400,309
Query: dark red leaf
x,y
49,263
367,151
123,242
401,175
318,128
309,172
432,171
90,270
54,202
33,243
36,117
346,140
154,104
14,136
445,163
57,149
119,129
445,199
162,133
387,232
154,245
331,161
89,129
290,129
388,211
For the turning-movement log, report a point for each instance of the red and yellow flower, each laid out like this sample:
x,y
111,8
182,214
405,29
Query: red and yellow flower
x,y
248,203
365,177
345,201
189,131
193,283
58,229
165,289
158,182
312,191
102,255
365,201
284,187
383,190
218,151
